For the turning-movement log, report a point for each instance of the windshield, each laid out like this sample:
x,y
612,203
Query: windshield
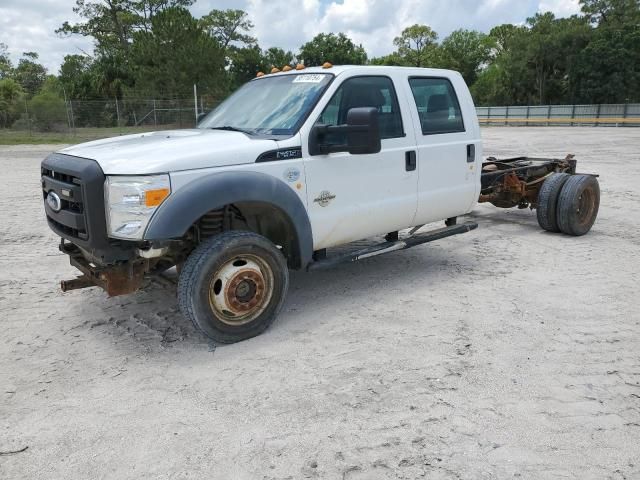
x,y
269,106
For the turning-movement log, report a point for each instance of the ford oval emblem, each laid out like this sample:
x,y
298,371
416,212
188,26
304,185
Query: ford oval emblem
x,y
53,200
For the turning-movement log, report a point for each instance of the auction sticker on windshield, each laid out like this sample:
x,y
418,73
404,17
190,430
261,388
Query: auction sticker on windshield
x,y
308,79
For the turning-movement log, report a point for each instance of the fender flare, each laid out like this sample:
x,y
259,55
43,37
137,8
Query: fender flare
x,y
185,206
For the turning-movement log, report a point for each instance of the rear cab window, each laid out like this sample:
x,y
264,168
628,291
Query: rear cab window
x,y
437,104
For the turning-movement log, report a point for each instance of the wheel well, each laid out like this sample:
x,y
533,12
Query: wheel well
x,y
259,217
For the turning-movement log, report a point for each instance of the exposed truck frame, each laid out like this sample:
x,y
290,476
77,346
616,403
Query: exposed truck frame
x,y
506,183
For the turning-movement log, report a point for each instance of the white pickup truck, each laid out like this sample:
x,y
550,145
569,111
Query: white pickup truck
x,y
290,165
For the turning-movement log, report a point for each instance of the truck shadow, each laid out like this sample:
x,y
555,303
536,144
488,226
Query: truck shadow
x,y
151,317
491,216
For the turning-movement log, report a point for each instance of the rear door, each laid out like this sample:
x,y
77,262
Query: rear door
x,y
351,197
448,145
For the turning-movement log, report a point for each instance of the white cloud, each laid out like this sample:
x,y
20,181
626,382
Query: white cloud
x,y
375,23
561,8
28,25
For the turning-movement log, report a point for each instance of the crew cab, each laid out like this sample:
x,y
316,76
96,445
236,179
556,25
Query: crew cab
x,y
290,165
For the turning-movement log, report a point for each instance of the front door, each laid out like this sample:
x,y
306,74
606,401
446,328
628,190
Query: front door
x,y
351,197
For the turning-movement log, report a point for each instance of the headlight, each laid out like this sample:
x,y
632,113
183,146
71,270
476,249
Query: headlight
x,y
130,202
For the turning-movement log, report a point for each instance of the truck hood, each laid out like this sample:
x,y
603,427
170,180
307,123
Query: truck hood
x,y
171,150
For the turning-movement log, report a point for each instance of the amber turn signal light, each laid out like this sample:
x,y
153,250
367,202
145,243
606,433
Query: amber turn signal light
x,y
153,198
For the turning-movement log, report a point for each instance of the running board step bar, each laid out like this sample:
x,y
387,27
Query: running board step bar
x,y
387,247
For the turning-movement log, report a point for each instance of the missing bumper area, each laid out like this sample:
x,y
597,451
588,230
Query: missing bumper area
x,y
116,280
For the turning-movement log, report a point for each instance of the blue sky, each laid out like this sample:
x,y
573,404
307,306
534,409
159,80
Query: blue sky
x,y
28,25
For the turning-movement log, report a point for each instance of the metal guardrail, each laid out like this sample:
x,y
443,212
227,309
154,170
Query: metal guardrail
x,y
561,115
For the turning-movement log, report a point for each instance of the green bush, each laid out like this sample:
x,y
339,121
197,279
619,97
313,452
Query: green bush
x,y
48,112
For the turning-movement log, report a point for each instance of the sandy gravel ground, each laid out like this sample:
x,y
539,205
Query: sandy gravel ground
x,y
503,353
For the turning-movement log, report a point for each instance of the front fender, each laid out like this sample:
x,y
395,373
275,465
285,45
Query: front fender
x,y
184,207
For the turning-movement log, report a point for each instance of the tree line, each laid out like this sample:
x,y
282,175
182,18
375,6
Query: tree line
x,y
158,49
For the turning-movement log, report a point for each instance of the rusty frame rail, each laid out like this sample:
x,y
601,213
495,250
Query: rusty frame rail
x,y
516,182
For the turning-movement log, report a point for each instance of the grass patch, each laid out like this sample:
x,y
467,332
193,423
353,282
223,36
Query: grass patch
x,y
24,137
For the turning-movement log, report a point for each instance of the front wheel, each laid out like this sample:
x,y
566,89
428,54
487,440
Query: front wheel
x,y
233,286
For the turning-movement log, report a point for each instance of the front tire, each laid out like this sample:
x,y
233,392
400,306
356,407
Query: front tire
x,y
233,286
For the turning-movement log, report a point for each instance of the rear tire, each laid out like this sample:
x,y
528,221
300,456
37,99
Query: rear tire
x,y
233,286
548,200
578,204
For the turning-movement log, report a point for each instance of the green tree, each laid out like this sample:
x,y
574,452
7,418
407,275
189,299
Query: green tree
x,y
277,57
29,73
79,77
47,111
176,53
612,12
5,61
607,70
417,45
11,102
245,63
329,47
229,27
466,51
393,59
505,81
111,23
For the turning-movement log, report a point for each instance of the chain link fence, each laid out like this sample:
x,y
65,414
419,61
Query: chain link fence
x,y
78,120
56,120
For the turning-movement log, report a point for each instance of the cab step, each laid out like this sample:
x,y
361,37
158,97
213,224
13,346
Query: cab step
x,y
394,246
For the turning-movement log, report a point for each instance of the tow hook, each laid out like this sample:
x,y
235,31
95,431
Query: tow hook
x,y
76,283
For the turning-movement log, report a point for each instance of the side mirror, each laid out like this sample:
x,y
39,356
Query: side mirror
x,y
360,135
363,133
201,115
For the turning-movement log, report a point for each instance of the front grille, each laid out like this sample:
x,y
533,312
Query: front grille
x,y
79,182
62,177
70,219
71,232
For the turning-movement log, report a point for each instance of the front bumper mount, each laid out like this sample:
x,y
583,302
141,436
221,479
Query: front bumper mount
x,y
118,279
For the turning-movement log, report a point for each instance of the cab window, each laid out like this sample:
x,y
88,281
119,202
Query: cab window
x,y
438,106
376,92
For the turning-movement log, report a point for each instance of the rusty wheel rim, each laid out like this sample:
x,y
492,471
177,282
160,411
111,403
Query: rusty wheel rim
x,y
586,204
240,289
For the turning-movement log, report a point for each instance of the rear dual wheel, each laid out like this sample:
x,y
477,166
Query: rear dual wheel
x,y
233,286
578,204
548,201
568,203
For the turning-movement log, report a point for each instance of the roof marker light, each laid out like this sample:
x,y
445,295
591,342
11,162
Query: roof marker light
x,y
327,65
275,70
286,68
260,74
299,66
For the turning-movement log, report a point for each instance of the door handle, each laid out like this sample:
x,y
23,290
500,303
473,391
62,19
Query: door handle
x,y
410,160
471,153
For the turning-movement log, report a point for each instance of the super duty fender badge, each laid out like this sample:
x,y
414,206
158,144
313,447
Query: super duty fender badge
x,y
281,154
291,174
324,198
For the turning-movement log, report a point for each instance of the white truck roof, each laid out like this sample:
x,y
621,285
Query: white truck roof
x,y
369,69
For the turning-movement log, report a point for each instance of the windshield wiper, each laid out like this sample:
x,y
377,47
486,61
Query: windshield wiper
x,y
234,129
